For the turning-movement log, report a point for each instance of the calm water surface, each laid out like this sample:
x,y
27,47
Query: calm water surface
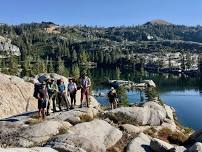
x,y
182,93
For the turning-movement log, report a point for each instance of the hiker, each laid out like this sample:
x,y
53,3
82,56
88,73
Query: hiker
x,y
72,88
62,94
85,89
42,98
112,95
52,94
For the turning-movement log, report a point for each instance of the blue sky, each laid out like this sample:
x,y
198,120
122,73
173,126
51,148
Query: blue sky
x,y
101,12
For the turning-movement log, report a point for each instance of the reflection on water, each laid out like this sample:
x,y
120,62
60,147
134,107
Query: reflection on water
x,y
188,105
182,93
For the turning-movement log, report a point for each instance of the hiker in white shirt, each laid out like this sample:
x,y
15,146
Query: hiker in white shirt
x,y
72,88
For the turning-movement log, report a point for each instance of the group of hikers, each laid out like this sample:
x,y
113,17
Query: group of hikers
x,y
51,91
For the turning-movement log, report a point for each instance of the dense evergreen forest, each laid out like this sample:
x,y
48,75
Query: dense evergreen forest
x,y
49,47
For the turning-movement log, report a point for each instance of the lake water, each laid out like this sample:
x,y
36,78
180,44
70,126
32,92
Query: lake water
x,y
182,93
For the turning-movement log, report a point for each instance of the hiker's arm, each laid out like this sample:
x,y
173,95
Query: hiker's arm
x,y
75,86
89,82
49,87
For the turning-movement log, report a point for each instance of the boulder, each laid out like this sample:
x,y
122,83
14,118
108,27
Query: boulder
x,y
76,115
150,83
40,133
155,106
8,48
150,114
16,96
158,145
35,149
169,112
134,129
197,147
140,144
34,135
167,124
19,119
93,136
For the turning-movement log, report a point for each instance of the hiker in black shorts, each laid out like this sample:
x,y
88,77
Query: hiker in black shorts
x,y
42,96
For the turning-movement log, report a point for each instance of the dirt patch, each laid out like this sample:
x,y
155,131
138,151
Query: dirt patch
x,y
122,144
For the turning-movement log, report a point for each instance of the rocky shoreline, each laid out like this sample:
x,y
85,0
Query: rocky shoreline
x,y
149,127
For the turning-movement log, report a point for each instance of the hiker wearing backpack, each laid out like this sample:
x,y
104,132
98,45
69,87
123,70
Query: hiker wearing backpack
x,y
72,88
85,89
52,94
112,95
62,94
42,98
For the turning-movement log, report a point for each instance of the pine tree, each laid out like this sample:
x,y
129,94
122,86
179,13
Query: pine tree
x,y
26,66
121,92
67,53
117,73
75,71
4,68
13,66
42,67
51,67
38,67
74,56
188,61
47,63
101,57
60,69
151,94
83,57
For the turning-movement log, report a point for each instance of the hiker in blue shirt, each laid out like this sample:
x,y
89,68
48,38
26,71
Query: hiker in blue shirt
x,y
62,95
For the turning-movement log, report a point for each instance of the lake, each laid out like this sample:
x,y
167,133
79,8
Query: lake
x,y
181,92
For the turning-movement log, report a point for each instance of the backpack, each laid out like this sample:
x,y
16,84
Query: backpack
x,y
37,87
58,82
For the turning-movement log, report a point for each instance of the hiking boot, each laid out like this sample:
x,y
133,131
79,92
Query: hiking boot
x,y
81,106
47,114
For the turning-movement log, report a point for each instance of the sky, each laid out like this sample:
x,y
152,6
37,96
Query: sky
x,y
101,12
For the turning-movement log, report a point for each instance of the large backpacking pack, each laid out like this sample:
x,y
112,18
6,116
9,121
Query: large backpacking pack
x,y
37,87
58,82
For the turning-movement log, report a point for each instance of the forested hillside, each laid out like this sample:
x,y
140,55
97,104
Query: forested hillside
x,y
49,42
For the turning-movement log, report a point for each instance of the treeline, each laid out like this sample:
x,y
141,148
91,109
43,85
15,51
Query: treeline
x,y
70,45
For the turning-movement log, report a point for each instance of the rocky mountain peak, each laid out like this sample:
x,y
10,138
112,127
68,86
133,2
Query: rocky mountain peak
x,y
157,22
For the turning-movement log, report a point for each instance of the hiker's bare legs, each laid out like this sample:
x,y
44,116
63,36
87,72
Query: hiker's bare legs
x,y
43,113
39,113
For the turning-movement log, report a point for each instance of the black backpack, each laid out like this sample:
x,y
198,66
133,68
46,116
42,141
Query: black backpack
x,y
37,87
58,82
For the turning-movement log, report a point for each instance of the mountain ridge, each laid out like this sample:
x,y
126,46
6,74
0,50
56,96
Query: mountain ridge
x,y
158,22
